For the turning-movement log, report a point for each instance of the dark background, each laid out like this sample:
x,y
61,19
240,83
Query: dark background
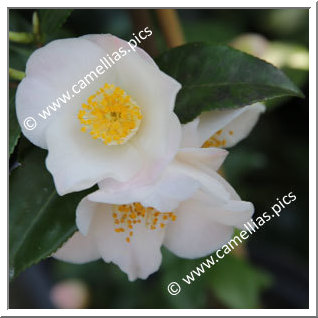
x,y
270,163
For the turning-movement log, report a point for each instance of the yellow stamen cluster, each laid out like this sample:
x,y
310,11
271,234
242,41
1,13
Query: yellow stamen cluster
x,y
216,140
110,115
128,215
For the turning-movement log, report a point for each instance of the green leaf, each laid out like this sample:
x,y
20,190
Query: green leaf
x,y
51,20
237,284
14,127
299,77
220,77
40,220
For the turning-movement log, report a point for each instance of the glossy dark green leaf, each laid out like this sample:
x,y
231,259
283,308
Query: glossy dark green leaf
x,y
14,127
51,20
220,77
237,283
40,220
299,77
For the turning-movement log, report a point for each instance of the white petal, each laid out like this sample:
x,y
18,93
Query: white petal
x,y
139,258
50,72
77,161
172,190
194,234
85,212
208,168
207,181
202,225
206,161
103,41
226,185
211,157
78,249
190,136
164,195
232,213
235,124
156,159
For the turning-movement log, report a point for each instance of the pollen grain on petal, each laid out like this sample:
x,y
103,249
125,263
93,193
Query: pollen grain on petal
x,y
217,140
126,217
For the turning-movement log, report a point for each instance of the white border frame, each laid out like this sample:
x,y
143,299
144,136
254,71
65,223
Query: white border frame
x,y
312,165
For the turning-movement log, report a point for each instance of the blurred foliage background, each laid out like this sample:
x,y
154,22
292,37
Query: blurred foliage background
x,y
271,270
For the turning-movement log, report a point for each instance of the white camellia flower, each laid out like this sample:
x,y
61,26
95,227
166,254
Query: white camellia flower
x,y
221,128
120,125
190,209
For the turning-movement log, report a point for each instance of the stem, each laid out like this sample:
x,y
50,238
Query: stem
x,y
15,74
171,27
36,26
21,37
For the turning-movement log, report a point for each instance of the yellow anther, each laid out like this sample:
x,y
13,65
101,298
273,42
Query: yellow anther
x,y
135,213
216,140
110,115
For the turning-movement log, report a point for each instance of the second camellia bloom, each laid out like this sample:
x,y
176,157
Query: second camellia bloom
x,y
190,209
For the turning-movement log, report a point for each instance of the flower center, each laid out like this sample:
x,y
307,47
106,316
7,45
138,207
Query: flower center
x,y
110,115
217,140
126,216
